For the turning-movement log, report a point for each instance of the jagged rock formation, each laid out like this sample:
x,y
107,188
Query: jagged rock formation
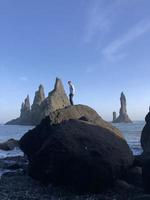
x,y
39,97
25,108
41,106
35,114
123,116
74,146
25,112
114,116
56,99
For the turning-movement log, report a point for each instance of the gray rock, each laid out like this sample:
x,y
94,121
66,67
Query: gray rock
x,y
114,116
81,112
25,114
9,144
39,97
123,116
56,99
41,106
35,115
25,108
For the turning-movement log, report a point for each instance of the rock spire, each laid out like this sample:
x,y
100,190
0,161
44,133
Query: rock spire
x,y
114,116
25,107
41,107
123,116
39,97
56,99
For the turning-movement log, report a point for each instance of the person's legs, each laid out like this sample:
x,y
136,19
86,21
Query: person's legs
x,y
71,99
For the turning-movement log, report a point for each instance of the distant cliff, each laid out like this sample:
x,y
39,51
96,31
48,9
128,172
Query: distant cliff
x,y
123,116
42,106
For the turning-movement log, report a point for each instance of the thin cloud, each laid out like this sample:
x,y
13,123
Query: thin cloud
x,y
111,51
23,78
99,19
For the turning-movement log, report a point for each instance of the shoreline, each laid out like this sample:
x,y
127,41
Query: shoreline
x,y
17,185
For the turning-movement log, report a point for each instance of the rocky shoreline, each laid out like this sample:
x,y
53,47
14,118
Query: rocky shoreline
x,y
17,185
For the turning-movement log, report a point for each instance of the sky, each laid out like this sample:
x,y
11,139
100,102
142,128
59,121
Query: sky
x,y
101,45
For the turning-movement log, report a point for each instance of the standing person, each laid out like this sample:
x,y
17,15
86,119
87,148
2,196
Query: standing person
x,y
72,92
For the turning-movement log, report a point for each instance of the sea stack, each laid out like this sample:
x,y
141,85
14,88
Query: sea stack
x,y
25,108
39,97
114,116
36,106
123,116
56,99
42,106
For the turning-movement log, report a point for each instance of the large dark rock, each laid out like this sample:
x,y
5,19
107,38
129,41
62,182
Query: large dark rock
x,y
134,176
146,175
34,139
42,106
123,116
145,136
87,154
145,143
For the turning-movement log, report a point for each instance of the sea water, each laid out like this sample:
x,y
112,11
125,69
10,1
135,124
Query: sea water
x,y
131,132
15,132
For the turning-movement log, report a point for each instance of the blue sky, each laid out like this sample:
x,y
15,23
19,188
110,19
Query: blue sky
x,y
101,45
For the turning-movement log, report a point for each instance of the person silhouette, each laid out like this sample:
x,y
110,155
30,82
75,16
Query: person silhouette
x,y
71,92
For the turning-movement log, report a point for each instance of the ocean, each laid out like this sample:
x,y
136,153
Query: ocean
x,y
15,132
131,132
